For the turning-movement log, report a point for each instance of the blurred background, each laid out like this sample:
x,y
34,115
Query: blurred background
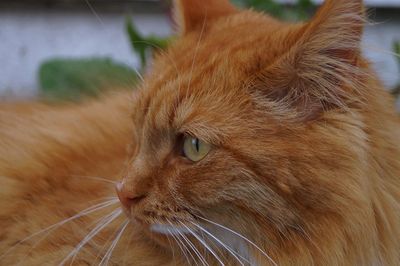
x,y
67,49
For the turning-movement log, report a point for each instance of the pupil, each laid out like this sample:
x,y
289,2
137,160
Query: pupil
x,y
196,143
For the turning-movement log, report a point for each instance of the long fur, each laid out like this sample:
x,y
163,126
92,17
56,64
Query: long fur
x,y
304,167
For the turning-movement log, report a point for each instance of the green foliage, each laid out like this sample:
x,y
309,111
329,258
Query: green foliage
x,y
144,46
396,48
299,11
71,79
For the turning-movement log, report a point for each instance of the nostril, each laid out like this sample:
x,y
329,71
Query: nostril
x,y
128,198
136,199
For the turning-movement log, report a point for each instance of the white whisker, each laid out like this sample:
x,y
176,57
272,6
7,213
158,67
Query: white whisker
x,y
172,248
105,204
108,255
230,250
196,51
94,12
59,224
103,223
241,236
138,74
96,201
378,49
160,50
99,254
181,241
195,250
182,247
204,244
127,247
95,178
99,221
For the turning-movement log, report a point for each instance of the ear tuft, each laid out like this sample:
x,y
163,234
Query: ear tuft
x,y
192,14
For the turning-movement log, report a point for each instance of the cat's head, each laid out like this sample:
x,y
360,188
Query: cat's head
x,y
251,123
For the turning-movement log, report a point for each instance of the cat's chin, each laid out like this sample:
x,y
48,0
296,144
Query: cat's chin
x,y
165,229
161,234
161,229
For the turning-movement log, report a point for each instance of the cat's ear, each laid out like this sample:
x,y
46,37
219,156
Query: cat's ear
x,y
337,29
322,68
192,14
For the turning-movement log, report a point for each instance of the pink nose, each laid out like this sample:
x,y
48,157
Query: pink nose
x,y
126,197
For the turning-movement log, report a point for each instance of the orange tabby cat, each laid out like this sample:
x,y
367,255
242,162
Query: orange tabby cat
x,y
252,141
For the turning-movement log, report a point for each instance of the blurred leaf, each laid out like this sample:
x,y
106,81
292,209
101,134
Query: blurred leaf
x,y
303,8
396,49
144,46
71,79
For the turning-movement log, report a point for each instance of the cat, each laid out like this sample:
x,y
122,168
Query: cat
x,y
251,141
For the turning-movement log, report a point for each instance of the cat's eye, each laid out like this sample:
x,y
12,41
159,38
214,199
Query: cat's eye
x,y
195,149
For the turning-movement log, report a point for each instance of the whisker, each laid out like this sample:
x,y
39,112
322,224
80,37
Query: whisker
x,y
170,245
102,224
196,51
160,50
195,250
108,255
99,254
102,199
241,236
94,12
378,49
182,247
95,178
138,74
98,222
230,250
59,224
203,243
127,247
48,233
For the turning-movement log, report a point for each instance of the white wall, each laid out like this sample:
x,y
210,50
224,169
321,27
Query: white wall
x,y
28,38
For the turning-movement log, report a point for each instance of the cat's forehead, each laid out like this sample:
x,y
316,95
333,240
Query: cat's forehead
x,y
208,108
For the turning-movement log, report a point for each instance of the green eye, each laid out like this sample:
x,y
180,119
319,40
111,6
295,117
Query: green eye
x,y
195,149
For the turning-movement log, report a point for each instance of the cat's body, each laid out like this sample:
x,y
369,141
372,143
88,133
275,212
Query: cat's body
x,y
305,157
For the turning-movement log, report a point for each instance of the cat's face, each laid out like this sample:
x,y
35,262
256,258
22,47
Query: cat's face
x,y
220,135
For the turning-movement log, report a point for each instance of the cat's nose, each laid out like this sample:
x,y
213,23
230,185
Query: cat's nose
x,y
128,198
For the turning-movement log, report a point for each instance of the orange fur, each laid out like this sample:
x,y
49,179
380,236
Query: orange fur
x,y
305,158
